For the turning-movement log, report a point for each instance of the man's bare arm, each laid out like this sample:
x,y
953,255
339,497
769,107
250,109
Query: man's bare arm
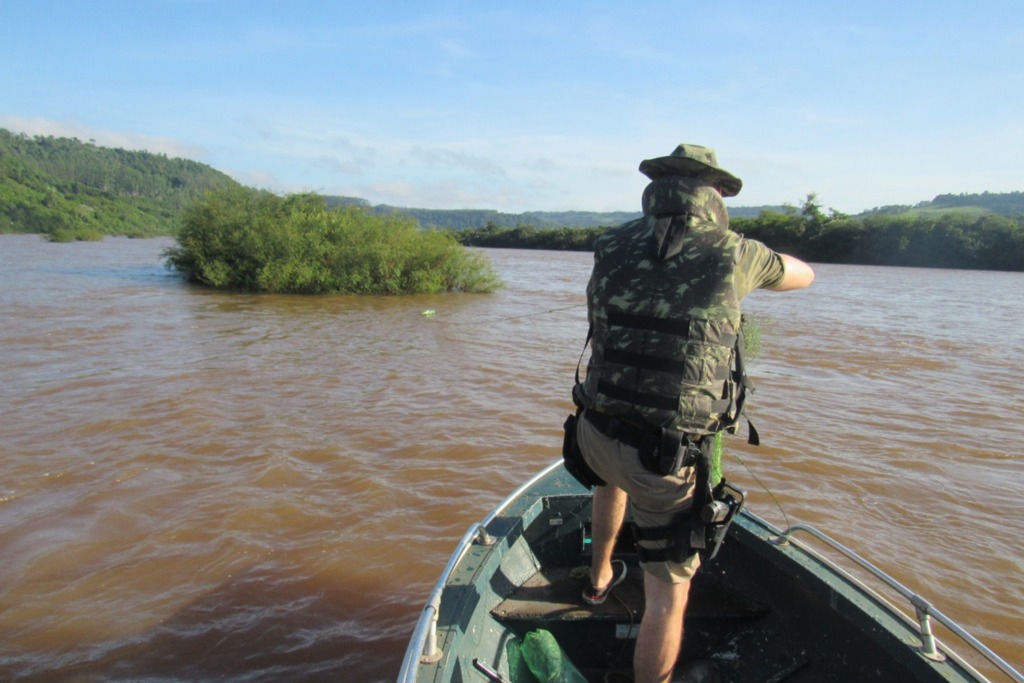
x,y
797,274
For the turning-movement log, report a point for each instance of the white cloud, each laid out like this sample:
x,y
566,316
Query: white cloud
x,y
105,138
439,156
337,165
261,179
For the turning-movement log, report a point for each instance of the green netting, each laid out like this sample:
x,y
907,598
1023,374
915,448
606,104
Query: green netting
x,y
546,659
716,460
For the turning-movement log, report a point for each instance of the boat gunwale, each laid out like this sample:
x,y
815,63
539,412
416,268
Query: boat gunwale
x,y
930,647
422,646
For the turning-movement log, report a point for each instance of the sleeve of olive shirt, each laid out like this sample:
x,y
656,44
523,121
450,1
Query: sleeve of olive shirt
x,y
759,267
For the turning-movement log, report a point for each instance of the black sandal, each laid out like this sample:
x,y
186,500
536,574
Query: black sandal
x,y
593,596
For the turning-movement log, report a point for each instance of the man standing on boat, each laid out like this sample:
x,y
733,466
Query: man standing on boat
x,y
664,310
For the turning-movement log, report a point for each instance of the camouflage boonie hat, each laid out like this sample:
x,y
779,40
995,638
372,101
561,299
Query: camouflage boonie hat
x,y
696,162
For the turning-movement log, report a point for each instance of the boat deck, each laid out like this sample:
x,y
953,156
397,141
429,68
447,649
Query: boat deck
x,y
759,612
747,621
719,622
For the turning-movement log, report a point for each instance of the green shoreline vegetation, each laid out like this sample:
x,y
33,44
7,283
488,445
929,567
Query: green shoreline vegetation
x,y
66,190
933,238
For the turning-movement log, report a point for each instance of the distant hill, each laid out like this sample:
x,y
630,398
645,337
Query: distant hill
x,y
68,189
473,219
998,203
1003,204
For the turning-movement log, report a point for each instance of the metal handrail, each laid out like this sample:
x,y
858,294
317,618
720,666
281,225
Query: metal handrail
x,y
924,610
423,643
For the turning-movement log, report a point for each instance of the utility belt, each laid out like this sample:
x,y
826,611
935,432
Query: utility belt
x,y
700,530
662,451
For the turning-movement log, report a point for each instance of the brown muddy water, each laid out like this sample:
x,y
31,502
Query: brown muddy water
x,y
200,485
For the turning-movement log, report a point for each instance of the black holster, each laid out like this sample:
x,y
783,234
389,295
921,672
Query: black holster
x,y
670,453
572,456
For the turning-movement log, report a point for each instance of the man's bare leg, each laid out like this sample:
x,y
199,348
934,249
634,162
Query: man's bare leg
x,y
606,520
661,631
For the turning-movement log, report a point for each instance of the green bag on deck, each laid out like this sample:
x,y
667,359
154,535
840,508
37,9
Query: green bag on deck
x,y
546,659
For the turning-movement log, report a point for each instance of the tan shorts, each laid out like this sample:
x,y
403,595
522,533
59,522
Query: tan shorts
x,y
655,501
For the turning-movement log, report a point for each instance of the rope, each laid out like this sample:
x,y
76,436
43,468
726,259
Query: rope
x,y
482,320
765,488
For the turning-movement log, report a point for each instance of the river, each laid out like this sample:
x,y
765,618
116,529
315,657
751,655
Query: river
x,y
200,485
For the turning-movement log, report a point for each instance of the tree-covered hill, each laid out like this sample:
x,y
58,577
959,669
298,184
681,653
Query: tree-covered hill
x,y
68,189
975,204
472,219
476,219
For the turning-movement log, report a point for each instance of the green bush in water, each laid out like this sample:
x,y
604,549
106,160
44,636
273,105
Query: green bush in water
x,y
752,349
251,240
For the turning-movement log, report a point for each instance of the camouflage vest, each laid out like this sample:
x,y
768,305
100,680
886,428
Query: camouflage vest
x,y
664,314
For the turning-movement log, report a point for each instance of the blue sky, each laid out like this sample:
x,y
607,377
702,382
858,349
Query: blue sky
x,y
525,106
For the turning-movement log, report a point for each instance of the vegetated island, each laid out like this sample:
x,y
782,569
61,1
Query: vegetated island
x,y
66,189
252,240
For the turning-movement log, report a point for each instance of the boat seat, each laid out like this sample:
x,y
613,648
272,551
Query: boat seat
x,y
554,594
